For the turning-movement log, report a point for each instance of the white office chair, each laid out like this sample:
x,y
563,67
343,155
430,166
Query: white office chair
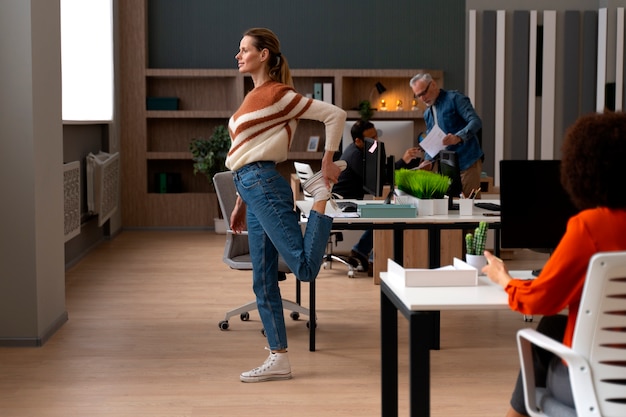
x,y
597,358
237,253
304,172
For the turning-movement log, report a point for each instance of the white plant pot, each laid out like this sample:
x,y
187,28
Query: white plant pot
x,y
477,261
425,207
440,206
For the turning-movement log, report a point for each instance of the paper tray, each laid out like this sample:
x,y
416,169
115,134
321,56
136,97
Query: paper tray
x,y
382,211
460,274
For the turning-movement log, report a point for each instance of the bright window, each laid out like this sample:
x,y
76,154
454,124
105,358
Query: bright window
x,y
87,60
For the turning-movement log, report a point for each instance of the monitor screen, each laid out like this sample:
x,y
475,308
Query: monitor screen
x,y
398,135
534,206
375,170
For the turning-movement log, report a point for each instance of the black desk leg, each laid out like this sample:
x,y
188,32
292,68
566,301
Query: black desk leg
x,y
389,357
434,260
422,324
434,248
312,316
398,246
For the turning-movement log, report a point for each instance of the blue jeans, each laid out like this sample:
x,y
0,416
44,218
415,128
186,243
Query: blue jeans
x,y
365,244
273,229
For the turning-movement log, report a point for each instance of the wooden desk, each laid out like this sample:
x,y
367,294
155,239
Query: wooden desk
x,y
421,307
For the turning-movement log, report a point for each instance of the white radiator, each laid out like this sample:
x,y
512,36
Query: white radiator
x,y
71,198
103,178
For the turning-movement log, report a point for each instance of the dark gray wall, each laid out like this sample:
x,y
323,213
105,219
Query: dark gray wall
x,y
314,34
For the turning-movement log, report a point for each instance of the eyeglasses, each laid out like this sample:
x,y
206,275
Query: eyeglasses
x,y
423,93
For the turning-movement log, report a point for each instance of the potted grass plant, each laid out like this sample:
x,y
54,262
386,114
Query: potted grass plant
x,y
424,188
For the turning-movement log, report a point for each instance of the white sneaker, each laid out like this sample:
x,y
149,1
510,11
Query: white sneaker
x,y
316,186
275,367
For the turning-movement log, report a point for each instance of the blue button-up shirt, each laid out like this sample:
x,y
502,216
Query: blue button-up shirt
x,y
456,115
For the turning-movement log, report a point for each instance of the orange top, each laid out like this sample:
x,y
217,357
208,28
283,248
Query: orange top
x,y
560,283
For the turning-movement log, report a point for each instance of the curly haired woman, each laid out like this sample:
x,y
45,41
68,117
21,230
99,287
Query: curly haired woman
x,y
594,151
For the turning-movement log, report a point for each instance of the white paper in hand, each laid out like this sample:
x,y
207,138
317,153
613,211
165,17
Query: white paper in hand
x,y
433,142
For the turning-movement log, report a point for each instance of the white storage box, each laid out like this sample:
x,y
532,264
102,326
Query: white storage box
x,y
460,274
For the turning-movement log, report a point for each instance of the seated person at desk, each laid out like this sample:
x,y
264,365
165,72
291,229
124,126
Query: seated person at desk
x,y
350,184
594,150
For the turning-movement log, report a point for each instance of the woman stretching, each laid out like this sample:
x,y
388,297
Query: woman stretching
x,y
262,130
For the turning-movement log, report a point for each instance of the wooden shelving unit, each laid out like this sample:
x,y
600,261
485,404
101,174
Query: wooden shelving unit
x,y
157,141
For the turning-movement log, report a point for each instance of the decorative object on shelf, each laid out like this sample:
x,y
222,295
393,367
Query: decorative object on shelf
x,y
327,93
365,106
383,105
399,105
377,87
317,91
414,105
162,103
313,144
365,110
209,155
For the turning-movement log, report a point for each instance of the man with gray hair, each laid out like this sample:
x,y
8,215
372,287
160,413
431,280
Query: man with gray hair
x,y
454,114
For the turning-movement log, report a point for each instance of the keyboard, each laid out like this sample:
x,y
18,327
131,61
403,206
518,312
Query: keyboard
x,y
348,206
488,206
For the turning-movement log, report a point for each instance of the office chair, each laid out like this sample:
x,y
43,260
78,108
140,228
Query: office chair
x,y
597,358
237,253
304,172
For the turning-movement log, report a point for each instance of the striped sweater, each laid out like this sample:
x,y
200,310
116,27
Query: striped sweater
x,y
263,127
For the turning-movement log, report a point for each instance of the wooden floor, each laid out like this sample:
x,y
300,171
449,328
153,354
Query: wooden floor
x,y
143,340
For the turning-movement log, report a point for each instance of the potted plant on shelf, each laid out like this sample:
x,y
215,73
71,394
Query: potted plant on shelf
x,y
424,188
209,158
365,110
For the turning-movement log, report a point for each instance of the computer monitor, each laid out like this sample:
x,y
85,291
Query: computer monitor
x,y
449,166
534,206
398,135
378,169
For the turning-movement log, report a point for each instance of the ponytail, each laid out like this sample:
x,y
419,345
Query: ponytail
x,y
278,66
